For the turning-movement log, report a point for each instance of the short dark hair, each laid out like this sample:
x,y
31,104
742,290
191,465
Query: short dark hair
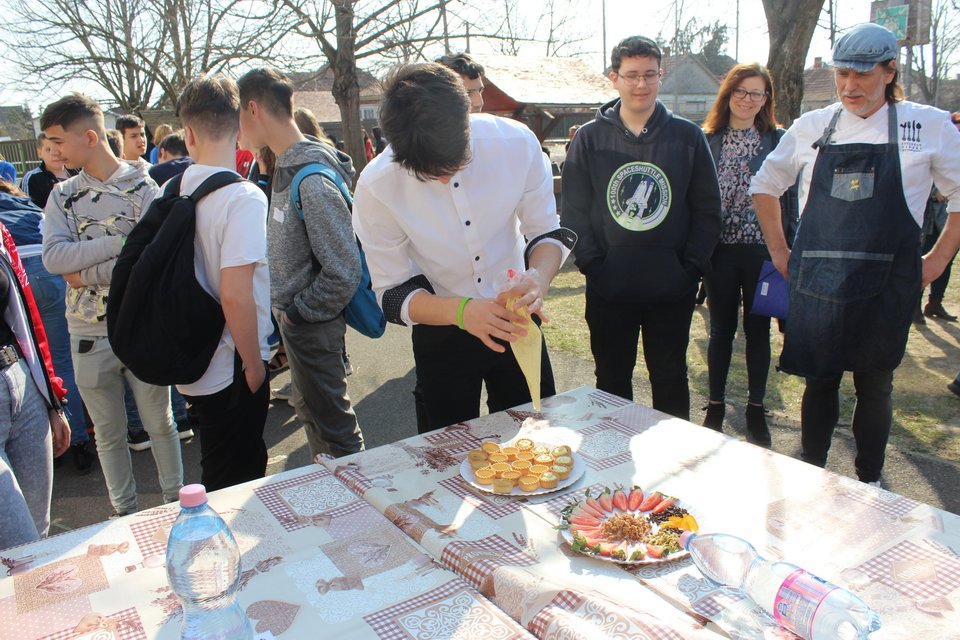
x,y
128,122
425,114
635,47
70,109
115,140
463,64
41,139
174,144
268,88
211,105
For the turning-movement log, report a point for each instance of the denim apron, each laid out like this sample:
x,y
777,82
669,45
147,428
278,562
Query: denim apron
x,y
855,269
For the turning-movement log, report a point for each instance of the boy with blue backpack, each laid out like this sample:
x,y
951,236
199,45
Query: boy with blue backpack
x,y
315,265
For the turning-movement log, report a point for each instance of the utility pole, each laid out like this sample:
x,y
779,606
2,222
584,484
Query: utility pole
x,y
446,31
736,46
603,14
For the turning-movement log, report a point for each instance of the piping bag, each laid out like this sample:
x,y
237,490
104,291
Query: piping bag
x,y
527,349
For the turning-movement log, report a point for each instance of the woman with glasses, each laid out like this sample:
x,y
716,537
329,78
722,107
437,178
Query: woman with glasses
x,y
741,130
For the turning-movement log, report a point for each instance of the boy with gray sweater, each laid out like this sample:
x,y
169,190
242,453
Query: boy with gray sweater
x,y
87,218
314,262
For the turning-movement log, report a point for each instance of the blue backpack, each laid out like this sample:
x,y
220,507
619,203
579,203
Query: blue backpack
x,y
362,312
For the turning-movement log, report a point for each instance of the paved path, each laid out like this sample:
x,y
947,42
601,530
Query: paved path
x,y
381,392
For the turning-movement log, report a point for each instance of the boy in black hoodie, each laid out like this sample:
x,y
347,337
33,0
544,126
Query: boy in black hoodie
x,y
640,190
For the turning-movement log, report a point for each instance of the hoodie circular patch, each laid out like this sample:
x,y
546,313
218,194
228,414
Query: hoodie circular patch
x,y
639,196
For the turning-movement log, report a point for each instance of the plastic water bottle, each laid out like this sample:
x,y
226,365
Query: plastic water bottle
x,y
799,601
203,568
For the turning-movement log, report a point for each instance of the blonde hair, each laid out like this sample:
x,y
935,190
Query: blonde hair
x,y
161,132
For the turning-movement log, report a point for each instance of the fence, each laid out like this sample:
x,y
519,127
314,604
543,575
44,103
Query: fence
x,y
22,153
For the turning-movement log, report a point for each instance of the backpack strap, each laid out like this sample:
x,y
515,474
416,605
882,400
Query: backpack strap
x,y
314,169
216,181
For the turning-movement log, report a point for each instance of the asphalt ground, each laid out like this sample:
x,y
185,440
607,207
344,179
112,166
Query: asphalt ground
x,y
381,391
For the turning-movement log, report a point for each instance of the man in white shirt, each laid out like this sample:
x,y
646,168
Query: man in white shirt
x,y
232,396
443,213
855,269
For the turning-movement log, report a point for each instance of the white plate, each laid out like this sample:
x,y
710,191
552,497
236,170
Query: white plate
x,y
579,467
683,553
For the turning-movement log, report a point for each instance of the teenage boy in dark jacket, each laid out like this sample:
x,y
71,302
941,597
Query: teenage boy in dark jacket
x,y
640,190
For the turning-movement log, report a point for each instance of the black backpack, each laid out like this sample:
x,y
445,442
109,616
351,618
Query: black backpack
x,y
161,323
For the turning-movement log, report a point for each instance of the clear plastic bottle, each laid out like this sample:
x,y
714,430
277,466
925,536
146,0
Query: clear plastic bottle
x,y
799,601
203,569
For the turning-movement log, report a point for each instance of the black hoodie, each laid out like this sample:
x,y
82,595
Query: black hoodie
x,y
646,208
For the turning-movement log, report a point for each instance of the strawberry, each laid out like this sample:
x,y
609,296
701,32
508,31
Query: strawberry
x,y
607,549
634,499
584,520
665,504
606,502
655,550
652,500
584,530
586,509
620,500
593,541
594,504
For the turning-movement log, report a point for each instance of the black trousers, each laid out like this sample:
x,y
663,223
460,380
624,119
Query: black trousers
x,y
451,366
231,421
872,419
938,288
736,268
614,332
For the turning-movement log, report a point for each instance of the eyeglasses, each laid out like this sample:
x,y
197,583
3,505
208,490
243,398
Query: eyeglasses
x,y
633,79
755,96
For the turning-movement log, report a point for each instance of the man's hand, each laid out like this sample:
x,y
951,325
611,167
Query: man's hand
x,y
529,292
487,319
61,432
255,375
780,260
73,280
932,268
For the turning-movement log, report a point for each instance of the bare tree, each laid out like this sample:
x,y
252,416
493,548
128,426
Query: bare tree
x,y
791,24
140,52
934,63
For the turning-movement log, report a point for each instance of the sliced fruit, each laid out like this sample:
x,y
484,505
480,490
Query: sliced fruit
x,y
590,521
635,499
606,502
620,500
590,510
594,504
636,555
607,549
655,550
665,504
651,501
586,531
685,522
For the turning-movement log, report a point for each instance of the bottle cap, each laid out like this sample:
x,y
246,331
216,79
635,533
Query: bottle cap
x,y
193,495
685,537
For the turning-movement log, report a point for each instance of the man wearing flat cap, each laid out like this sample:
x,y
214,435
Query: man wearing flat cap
x,y
866,166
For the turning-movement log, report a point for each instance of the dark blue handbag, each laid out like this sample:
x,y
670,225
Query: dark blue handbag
x,y
772,296
362,312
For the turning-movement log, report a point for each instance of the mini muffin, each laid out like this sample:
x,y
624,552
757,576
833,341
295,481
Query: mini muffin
x,y
561,471
524,444
540,450
500,467
543,458
485,475
498,457
566,461
525,455
512,476
539,469
502,485
510,452
490,447
560,450
476,454
529,483
548,480
479,464
520,465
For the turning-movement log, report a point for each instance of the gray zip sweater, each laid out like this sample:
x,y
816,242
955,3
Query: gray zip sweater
x,y
314,262
85,222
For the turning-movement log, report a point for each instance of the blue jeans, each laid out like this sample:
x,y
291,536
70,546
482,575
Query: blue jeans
x,y
49,291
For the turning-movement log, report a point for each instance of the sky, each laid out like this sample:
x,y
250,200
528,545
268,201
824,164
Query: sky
x,y
633,17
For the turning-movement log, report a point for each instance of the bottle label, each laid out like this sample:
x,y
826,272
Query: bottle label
x,y
797,601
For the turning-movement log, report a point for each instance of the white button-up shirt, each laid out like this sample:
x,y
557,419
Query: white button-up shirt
x,y
464,235
929,152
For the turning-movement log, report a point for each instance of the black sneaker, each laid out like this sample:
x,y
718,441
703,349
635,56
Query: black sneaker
x,y
82,458
139,441
184,430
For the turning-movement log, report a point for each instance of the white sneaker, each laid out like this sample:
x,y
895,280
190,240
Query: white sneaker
x,y
283,393
875,483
